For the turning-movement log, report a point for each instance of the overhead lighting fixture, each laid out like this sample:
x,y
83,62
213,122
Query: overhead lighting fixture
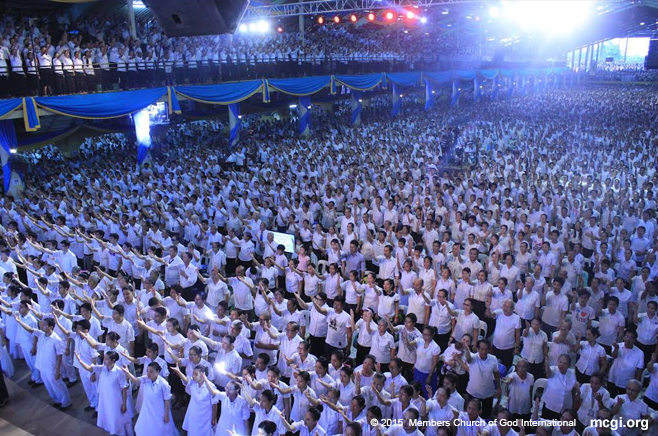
x,y
353,18
423,20
337,19
411,15
389,15
243,28
445,12
371,17
320,20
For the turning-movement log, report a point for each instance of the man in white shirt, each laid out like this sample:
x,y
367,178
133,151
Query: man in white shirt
x,y
507,333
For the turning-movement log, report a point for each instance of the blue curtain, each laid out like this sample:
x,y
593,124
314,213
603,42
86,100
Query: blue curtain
x,y
364,82
489,74
440,77
7,141
30,115
106,105
233,123
357,107
304,111
477,89
495,87
7,106
465,75
454,101
300,86
404,79
223,93
396,100
429,95
172,100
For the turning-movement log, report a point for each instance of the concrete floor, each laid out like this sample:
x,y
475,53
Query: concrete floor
x,y
30,410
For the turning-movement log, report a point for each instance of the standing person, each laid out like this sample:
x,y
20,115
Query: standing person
x,y
49,355
155,414
234,411
201,412
114,415
483,371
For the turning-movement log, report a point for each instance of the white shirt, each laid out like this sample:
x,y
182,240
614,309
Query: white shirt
x,y
624,366
504,335
589,361
557,396
338,323
425,355
481,376
533,346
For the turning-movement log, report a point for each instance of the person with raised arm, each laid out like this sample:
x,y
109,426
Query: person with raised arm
x,y
114,415
48,359
155,414
201,413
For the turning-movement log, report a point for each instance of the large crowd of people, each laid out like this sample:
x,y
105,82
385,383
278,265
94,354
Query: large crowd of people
x,y
54,56
522,287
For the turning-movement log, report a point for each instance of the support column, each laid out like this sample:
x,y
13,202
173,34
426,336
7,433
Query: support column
x,y
573,58
598,52
301,26
626,50
131,18
580,57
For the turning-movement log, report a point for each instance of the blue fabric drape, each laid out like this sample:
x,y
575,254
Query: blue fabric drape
x,y
489,74
454,101
8,106
7,141
30,115
97,106
440,77
364,82
429,95
396,100
477,89
357,107
304,110
172,100
404,79
300,86
223,93
495,87
233,123
465,75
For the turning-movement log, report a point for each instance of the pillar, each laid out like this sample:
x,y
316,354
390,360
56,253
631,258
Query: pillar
x,y
580,57
625,50
131,18
598,52
301,26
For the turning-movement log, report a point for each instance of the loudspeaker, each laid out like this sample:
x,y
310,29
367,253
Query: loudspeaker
x,y
198,17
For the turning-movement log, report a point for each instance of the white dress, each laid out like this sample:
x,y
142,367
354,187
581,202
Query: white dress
x,y
110,384
151,417
233,416
198,418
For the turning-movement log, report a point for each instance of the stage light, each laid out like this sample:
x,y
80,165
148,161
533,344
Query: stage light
x,y
263,26
468,17
371,17
279,29
293,106
13,150
252,27
445,12
336,19
243,28
389,15
642,24
353,18
493,11
549,16
423,20
410,15
321,20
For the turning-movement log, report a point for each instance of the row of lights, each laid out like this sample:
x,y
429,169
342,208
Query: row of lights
x,y
389,16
